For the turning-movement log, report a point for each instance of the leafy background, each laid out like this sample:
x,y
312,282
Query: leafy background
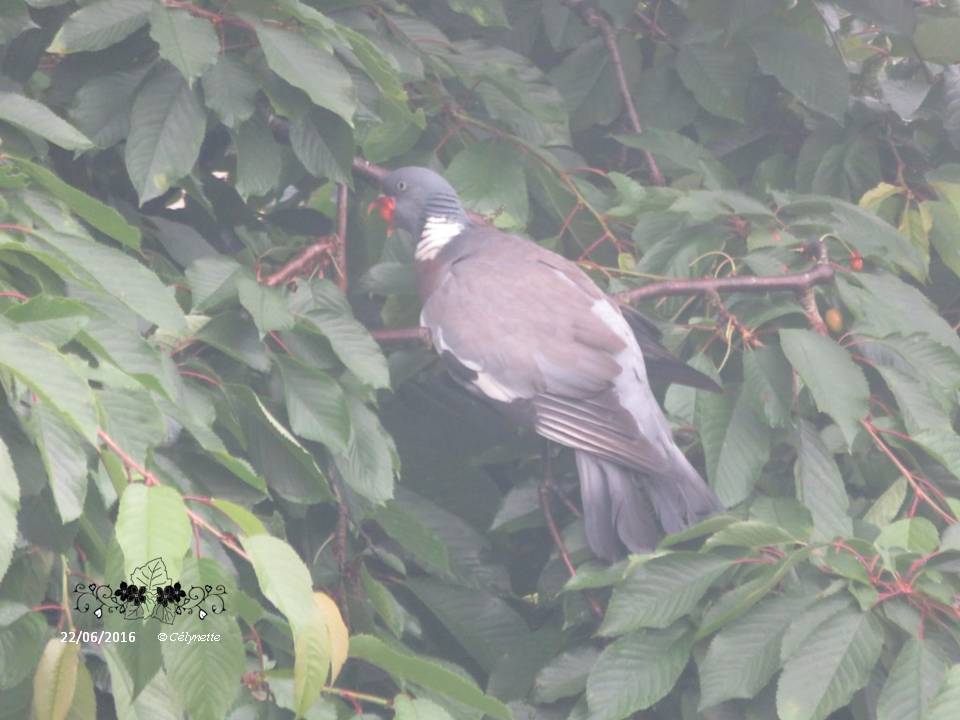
x,y
166,393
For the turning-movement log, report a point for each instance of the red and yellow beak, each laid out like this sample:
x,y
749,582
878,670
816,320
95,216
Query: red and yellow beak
x,y
384,205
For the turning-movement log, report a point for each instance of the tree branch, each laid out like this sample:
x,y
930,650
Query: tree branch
x,y
340,242
302,263
592,17
822,272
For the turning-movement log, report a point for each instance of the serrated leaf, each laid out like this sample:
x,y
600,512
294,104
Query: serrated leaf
x,y
152,523
946,703
205,675
836,383
916,534
188,42
103,217
297,60
248,523
636,671
743,656
484,625
717,76
490,179
912,681
820,486
426,673
167,127
100,24
806,67
767,377
736,442
832,664
658,592
407,708
126,280
324,144
369,462
37,118
230,90
316,405
266,305
9,505
52,378
565,675
259,158
55,680
65,459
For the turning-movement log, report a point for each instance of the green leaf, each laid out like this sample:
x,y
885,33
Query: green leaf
x,y
912,682
369,463
316,405
406,708
806,67
328,312
660,591
230,90
100,24
22,640
39,119
918,406
421,542
767,378
152,523
426,673
55,680
681,151
886,507
64,456
916,534
943,446
946,704
935,39
945,233
167,127
102,107
743,656
489,177
565,675
133,420
266,305
484,625
205,675
259,158
84,705
488,13
188,42
324,144
833,663
836,383
47,373
296,59
126,280
248,523
751,534
736,442
9,505
717,75
103,217
820,486
636,671
284,579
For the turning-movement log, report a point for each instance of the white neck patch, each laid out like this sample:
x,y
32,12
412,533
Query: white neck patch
x,y
437,232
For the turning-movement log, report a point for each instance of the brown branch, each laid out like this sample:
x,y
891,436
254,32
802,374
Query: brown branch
x,y
302,263
590,16
340,242
401,335
543,492
809,301
822,272
371,171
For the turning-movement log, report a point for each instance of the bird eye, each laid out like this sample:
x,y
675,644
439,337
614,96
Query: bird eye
x,y
401,186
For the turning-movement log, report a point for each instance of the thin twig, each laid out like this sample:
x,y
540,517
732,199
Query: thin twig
x,y
302,263
595,19
819,274
543,491
340,243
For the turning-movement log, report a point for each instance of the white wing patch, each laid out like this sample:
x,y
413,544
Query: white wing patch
x,y
484,382
437,232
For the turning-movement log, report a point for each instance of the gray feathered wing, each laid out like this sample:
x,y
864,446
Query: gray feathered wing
x,y
528,330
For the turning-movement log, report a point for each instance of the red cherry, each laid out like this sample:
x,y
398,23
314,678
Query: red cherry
x,y
856,261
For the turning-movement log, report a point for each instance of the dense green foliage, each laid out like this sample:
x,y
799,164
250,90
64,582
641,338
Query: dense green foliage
x,y
158,160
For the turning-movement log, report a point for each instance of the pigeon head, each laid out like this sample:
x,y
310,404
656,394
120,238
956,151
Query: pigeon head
x,y
412,196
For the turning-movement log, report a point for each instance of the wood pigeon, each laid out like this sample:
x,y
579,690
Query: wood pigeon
x,y
530,332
